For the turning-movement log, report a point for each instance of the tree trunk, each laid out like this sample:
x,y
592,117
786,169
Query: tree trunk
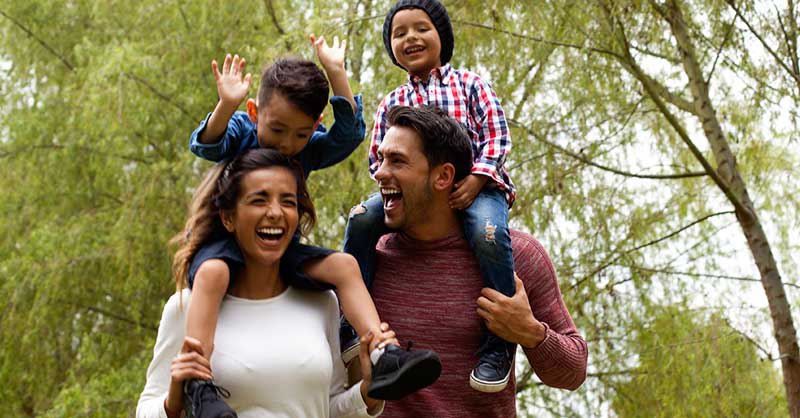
x,y
783,326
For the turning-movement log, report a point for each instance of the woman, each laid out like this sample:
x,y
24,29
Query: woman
x,y
276,348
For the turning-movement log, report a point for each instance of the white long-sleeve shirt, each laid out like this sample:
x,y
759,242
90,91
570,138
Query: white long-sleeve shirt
x,y
279,357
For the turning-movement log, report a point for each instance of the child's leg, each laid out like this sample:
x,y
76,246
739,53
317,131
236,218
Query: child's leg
x,y
364,228
210,284
396,372
486,230
341,270
210,273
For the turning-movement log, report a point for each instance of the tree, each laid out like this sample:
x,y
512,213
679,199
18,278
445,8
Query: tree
x,y
695,365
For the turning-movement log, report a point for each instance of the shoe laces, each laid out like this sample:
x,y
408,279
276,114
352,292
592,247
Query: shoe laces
x,y
207,391
496,359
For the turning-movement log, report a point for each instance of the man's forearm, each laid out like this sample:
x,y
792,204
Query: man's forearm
x,y
217,123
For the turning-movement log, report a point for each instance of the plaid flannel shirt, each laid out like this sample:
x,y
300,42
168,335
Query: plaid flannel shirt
x,y
468,99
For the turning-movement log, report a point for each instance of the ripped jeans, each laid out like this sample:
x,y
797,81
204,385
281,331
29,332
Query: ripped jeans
x,y
485,227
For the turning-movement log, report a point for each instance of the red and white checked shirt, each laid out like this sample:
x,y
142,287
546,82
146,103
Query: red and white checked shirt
x,y
469,100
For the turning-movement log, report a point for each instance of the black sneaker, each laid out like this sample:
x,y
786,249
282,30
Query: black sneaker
x,y
494,367
348,342
401,372
203,400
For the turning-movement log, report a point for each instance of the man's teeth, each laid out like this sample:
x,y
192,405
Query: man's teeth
x,y
389,191
270,231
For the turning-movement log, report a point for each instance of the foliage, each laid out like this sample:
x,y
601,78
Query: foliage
x,y
97,100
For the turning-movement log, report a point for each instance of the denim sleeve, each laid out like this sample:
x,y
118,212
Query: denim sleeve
x,y
325,149
240,136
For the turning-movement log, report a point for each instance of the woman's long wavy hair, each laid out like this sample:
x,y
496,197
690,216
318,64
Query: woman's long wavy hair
x,y
219,192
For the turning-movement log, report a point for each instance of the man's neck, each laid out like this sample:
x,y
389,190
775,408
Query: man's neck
x,y
439,223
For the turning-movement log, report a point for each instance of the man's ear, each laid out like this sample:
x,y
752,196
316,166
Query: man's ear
x,y
226,219
252,110
444,177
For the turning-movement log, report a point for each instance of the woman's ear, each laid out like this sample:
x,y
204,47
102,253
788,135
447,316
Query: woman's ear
x,y
227,220
444,177
252,110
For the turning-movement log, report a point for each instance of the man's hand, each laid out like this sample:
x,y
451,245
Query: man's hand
x,y
231,87
466,190
331,57
511,318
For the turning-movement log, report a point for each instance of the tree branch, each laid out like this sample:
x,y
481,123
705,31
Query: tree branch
x,y
732,4
40,41
645,245
536,38
158,93
587,161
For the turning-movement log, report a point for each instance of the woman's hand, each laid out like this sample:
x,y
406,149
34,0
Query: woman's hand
x,y
189,364
368,341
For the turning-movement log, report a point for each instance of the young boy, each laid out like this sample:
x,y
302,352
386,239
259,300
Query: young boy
x,y
286,116
419,38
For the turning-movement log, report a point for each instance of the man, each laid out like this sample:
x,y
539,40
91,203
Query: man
x,y
429,288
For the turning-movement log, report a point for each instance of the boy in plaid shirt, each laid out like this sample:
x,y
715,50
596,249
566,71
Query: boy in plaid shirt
x,y
419,38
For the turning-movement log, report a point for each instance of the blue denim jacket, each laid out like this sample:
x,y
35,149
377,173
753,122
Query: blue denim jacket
x,y
324,149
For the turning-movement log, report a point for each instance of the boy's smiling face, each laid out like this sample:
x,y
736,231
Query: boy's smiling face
x,y
415,42
281,125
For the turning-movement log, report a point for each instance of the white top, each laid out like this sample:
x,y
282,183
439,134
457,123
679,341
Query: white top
x,y
279,357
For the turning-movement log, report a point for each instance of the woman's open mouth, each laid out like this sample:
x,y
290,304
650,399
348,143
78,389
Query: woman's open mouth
x,y
270,235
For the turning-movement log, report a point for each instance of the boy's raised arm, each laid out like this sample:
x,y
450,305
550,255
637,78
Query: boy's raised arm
x,y
332,60
232,90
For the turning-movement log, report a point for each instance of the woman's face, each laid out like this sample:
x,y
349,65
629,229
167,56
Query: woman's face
x,y
266,214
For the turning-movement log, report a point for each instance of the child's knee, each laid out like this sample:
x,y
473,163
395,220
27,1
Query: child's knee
x,y
363,218
488,238
343,267
213,276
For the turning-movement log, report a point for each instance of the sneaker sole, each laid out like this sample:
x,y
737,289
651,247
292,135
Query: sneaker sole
x,y
349,354
413,376
487,386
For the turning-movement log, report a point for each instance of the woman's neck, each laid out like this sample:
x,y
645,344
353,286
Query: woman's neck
x,y
258,282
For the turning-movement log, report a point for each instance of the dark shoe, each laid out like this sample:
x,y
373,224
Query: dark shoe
x,y
401,372
494,367
203,400
348,342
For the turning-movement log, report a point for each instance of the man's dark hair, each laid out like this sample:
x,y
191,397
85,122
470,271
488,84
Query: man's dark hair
x,y
444,140
301,82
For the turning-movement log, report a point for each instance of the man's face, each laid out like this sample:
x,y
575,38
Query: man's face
x,y
415,42
282,126
404,179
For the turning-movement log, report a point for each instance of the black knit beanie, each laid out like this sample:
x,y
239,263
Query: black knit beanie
x,y
441,21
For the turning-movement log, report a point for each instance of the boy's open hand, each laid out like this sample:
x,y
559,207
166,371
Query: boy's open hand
x,y
331,57
231,87
466,190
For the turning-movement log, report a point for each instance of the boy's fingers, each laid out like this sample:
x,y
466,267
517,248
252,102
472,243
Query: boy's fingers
x,y
247,78
235,64
242,63
226,65
344,44
215,68
312,38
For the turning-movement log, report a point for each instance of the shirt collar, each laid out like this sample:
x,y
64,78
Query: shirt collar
x,y
440,73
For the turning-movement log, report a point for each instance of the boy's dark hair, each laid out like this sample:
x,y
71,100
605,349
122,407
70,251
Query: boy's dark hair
x,y
444,140
301,82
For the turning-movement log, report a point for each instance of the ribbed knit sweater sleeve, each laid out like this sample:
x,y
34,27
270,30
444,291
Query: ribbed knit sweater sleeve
x,y
560,360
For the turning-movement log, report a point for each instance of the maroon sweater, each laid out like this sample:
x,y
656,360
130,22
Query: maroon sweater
x,y
427,292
